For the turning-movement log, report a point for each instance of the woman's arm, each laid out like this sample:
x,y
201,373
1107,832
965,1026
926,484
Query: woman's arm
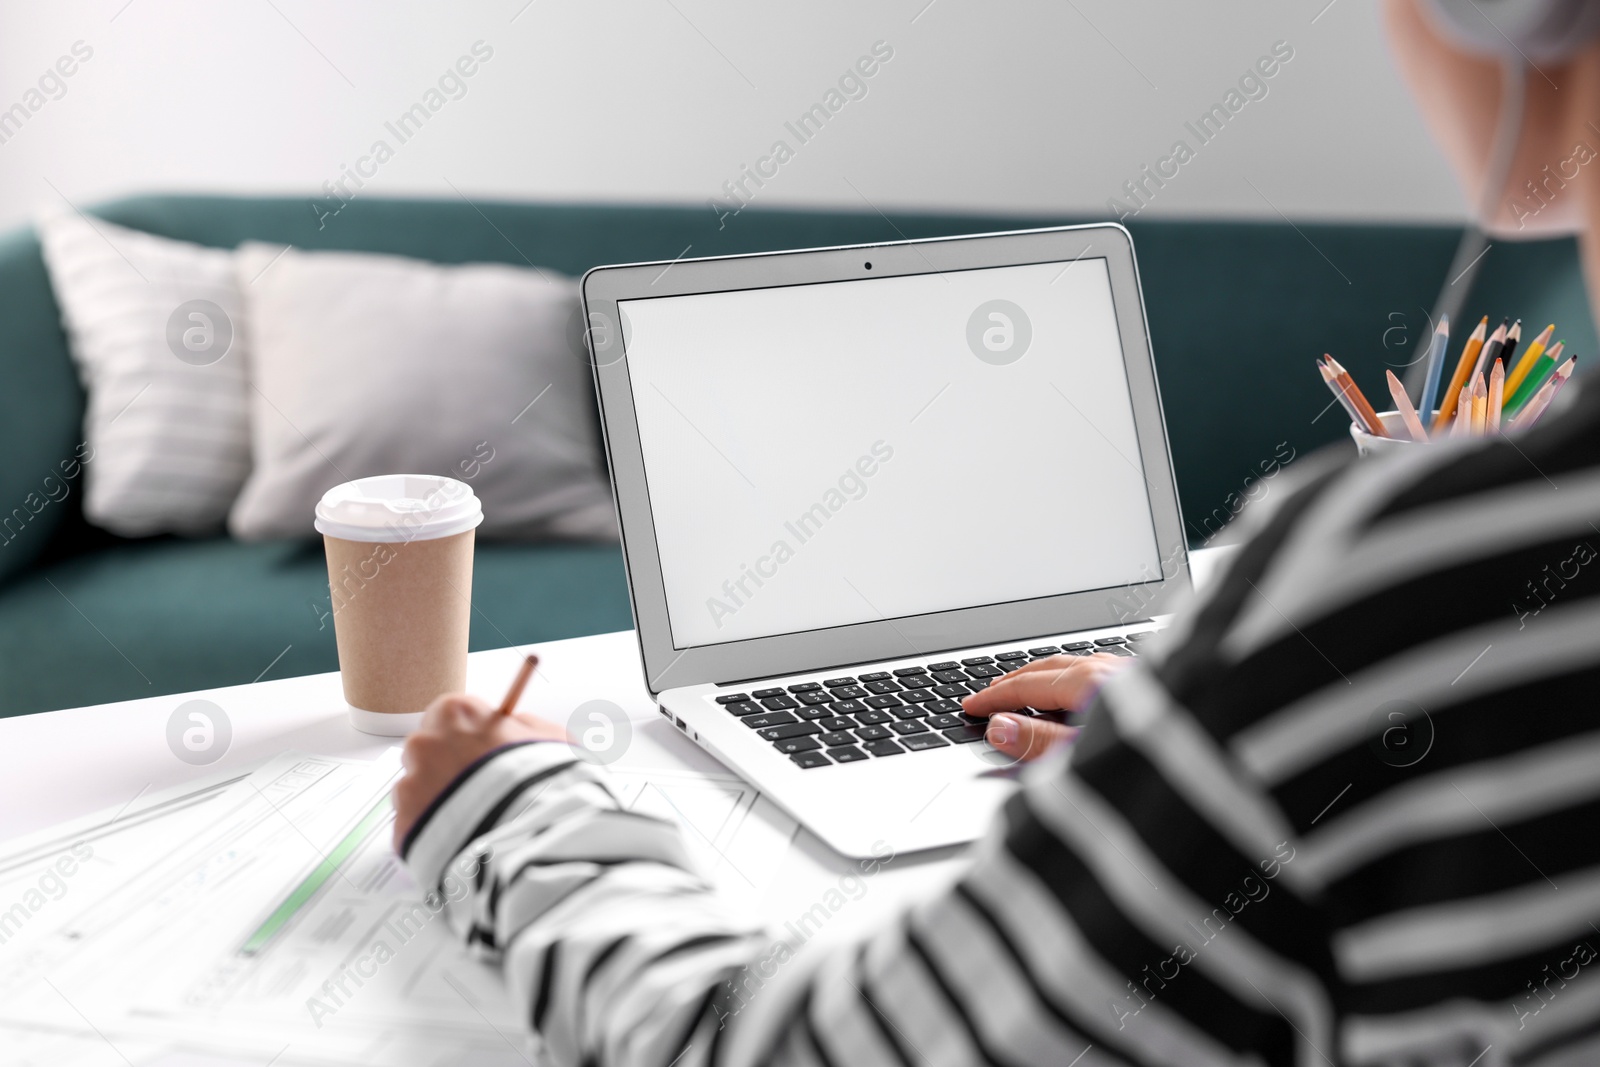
x,y
1066,940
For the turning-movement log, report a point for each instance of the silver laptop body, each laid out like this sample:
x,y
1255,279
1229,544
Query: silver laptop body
x,y
854,483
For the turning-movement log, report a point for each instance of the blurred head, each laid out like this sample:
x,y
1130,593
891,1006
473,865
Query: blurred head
x,y
1456,66
1447,52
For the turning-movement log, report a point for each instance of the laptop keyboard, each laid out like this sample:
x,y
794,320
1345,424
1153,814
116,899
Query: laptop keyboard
x,y
855,718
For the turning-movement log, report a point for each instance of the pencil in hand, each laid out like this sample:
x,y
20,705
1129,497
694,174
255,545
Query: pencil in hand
x,y
520,682
1402,404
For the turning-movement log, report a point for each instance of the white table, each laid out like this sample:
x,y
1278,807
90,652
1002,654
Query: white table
x,y
64,764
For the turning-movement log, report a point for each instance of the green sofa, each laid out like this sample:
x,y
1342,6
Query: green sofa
x,y
1237,312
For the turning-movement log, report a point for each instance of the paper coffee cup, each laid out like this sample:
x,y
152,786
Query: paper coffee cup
x,y
399,552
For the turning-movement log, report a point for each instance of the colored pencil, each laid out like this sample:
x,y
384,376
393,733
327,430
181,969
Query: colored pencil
x,y
1480,405
1402,404
1458,380
1430,388
1369,414
1497,394
1332,382
1463,424
1538,376
1513,339
1490,350
1547,392
514,694
1529,358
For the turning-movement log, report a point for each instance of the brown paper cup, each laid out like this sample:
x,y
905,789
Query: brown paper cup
x,y
401,592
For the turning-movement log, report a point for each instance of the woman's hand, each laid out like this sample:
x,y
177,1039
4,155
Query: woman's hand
x,y
456,730
1058,683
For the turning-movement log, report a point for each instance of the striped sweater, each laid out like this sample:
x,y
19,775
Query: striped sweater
x,y
1344,813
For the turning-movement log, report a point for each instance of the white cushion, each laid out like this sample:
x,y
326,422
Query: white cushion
x,y
152,327
369,364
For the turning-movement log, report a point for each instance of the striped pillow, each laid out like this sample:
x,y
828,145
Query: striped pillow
x,y
156,331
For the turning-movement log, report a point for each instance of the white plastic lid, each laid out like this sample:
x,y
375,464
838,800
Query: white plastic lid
x,y
394,508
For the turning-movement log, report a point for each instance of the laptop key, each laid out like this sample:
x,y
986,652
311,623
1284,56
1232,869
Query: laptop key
x,y
1118,650
914,711
884,748
906,672
849,692
848,707
835,723
1044,650
733,698
973,661
1141,635
759,693
835,683
944,721
804,687
944,665
847,755
963,735
978,684
910,726
924,741
823,712
781,702
813,697
984,670
1076,646
792,745
794,729
1010,655
871,717
917,696
949,707
873,676
837,738
743,709
766,719
882,686
948,691
873,733
884,701
952,675
919,681
1111,640
808,760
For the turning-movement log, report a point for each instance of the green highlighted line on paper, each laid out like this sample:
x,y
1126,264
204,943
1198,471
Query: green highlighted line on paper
x,y
314,881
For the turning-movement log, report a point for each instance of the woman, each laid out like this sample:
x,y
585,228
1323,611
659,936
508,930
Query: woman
x,y
1324,821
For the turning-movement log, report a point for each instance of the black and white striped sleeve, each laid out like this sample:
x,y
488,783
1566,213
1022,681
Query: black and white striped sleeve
x,y
1229,868
1050,948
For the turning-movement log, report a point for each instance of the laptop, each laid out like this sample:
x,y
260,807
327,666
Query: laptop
x,y
857,483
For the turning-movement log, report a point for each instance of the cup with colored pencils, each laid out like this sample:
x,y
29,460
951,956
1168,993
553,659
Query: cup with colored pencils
x,y
1493,390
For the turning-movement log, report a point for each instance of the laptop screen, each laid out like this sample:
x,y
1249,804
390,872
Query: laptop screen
x,y
843,452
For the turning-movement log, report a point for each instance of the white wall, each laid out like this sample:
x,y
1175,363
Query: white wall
x,y
1015,105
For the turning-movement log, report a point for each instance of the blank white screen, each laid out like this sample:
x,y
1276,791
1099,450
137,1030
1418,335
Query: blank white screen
x,y
761,411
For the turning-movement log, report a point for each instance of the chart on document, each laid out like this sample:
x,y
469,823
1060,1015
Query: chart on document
x,y
267,916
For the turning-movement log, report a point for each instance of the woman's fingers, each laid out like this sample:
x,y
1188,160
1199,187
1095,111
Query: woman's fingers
x,y
1026,739
1054,684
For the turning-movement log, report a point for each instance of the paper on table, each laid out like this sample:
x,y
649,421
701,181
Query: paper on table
x,y
267,916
